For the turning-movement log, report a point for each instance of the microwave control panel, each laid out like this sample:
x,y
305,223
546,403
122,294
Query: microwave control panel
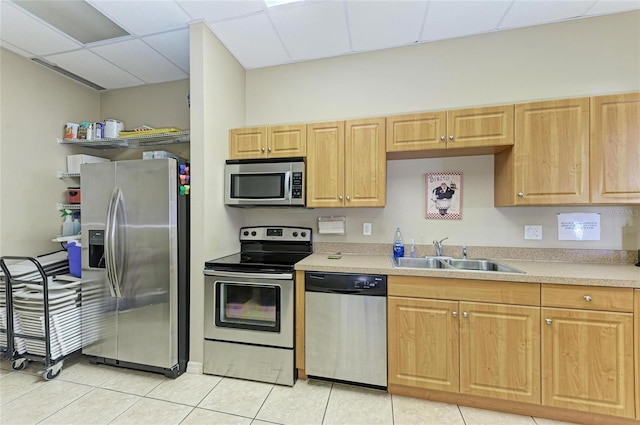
x,y
296,185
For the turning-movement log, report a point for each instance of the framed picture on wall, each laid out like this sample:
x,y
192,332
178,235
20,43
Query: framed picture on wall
x,y
444,196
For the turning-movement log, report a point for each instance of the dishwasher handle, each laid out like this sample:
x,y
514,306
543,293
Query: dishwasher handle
x,y
346,283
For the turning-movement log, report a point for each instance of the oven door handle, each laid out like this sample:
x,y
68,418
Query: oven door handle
x,y
245,275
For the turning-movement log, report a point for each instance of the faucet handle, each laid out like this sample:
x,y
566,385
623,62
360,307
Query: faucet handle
x,y
464,251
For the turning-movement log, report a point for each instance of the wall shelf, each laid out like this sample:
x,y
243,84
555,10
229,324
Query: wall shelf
x,y
70,207
128,142
63,175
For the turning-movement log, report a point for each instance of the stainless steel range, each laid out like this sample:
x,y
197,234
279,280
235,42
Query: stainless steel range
x,y
249,305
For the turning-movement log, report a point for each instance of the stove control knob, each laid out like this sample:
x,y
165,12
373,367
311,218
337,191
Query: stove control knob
x,y
246,233
303,234
295,234
253,233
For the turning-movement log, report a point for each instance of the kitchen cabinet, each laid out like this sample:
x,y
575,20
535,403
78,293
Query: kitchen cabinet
x,y
587,349
615,149
549,162
461,132
465,336
284,141
636,342
346,164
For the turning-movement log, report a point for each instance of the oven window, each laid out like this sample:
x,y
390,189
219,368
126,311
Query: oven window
x,y
242,306
258,186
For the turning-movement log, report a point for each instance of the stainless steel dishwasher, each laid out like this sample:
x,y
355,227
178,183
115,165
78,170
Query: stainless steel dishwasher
x,y
346,327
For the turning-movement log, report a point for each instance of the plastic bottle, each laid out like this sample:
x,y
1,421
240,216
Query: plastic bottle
x,y
67,225
413,248
76,223
398,245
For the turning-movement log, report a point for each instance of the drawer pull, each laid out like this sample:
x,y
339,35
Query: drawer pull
x,y
588,298
454,314
549,321
465,314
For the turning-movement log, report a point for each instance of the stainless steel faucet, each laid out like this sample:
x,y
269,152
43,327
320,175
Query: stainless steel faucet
x,y
464,252
438,245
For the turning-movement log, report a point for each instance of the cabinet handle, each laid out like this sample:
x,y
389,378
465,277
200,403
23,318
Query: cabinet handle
x,y
549,321
269,149
465,314
262,149
442,138
451,137
588,298
340,197
521,194
454,313
348,198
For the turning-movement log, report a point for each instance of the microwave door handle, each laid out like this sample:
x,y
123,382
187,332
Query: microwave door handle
x,y
287,185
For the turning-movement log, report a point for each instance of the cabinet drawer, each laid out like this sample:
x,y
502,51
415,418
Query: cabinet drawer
x,y
464,290
588,297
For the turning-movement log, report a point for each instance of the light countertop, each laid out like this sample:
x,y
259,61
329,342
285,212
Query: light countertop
x,y
569,273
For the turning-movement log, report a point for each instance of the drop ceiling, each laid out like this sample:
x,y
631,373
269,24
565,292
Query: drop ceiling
x,y
156,48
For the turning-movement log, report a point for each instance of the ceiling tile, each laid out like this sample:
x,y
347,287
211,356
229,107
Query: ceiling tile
x,y
173,45
14,49
140,60
92,67
312,30
380,25
28,33
252,40
219,10
143,17
613,6
534,12
451,19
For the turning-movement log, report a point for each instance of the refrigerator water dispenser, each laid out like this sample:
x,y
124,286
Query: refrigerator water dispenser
x,y
96,249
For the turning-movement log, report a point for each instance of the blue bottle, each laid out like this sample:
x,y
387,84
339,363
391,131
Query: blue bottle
x,y
398,245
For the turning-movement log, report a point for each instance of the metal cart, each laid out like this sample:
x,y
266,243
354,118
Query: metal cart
x,y
52,366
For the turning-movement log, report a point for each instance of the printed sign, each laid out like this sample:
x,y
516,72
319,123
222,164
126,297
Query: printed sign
x,y
579,227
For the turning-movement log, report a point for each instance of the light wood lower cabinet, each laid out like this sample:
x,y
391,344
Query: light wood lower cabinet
x,y
475,348
587,361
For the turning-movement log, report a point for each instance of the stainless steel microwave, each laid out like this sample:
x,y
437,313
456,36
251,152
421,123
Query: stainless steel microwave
x,y
265,182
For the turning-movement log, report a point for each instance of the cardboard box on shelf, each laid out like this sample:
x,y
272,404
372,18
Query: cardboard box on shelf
x,y
74,162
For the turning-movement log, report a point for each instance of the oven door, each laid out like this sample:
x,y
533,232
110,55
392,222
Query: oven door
x,y
252,308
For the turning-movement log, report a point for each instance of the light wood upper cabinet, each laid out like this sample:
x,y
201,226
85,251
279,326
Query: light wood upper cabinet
x,y
615,149
490,127
587,361
282,141
549,162
346,164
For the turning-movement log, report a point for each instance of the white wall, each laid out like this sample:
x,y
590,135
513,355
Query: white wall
x,y
575,58
35,103
217,104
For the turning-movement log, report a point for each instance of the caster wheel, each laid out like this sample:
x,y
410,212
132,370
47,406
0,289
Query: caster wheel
x,y
19,364
51,374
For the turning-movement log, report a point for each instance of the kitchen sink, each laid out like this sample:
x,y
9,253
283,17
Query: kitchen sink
x,y
480,265
418,263
474,264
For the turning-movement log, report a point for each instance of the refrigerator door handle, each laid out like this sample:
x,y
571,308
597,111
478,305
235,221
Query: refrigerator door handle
x,y
109,242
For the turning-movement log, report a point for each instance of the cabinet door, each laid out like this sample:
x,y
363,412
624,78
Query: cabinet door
x,y
325,164
248,143
423,343
587,361
636,339
500,351
615,149
552,152
415,132
286,141
365,176
480,127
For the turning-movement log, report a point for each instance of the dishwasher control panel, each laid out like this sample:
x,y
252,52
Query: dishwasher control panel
x,y
346,283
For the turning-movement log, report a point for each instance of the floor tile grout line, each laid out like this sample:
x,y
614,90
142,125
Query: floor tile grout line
x,y
464,421
69,404
263,402
326,406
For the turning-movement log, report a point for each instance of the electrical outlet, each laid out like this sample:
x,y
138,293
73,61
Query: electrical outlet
x,y
533,232
366,229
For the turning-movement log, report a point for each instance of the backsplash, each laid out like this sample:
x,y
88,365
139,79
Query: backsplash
x,y
601,256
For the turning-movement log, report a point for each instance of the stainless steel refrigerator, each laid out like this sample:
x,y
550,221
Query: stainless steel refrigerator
x,y
135,265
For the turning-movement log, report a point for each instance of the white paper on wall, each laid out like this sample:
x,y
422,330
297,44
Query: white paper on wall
x,y
578,226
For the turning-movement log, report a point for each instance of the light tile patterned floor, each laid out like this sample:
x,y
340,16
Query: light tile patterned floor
x,y
87,394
